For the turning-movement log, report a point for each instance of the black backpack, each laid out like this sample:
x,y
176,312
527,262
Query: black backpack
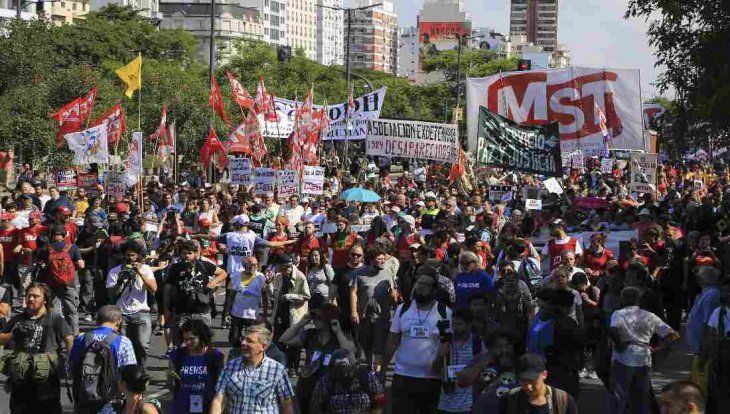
x,y
95,374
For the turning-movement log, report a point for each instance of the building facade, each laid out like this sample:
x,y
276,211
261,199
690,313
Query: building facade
x,y
8,11
273,17
233,22
537,20
373,36
301,26
408,53
147,8
330,45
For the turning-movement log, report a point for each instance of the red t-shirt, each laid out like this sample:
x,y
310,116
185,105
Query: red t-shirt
x,y
597,263
642,259
304,246
340,250
404,247
555,251
28,238
279,250
7,238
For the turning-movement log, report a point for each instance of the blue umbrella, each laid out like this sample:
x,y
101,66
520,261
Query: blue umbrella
x,y
360,195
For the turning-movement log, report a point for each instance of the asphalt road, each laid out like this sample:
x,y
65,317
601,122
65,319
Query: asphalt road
x,y
592,398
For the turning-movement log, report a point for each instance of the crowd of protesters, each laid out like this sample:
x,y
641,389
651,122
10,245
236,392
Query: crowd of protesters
x,y
456,300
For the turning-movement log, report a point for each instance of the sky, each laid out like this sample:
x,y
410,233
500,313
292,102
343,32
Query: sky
x,y
593,30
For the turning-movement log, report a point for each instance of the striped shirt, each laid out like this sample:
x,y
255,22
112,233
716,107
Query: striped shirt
x,y
460,400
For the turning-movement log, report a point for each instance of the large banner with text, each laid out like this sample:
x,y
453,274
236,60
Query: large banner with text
x,y
413,139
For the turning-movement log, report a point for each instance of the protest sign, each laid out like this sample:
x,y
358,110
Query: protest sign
x,y
697,184
240,170
413,139
89,182
312,180
66,179
264,180
114,183
288,183
643,172
590,203
606,165
343,125
567,96
553,186
533,204
503,143
496,192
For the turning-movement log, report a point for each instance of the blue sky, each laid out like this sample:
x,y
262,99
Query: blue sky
x,y
594,30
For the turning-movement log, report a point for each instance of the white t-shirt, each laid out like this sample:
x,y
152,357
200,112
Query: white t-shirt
x,y
239,245
294,215
419,342
134,298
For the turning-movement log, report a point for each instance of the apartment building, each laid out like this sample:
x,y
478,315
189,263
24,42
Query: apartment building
x,y
330,39
373,36
537,20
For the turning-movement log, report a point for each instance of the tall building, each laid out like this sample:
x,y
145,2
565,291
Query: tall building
x,y
273,17
301,27
373,36
537,20
147,8
232,22
8,11
408,53
440,24
330,47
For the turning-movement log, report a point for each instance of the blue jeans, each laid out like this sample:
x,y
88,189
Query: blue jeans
x,y
631,390
138,328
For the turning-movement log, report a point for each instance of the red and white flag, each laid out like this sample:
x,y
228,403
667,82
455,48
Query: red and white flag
x,y
603,124
71,117
264,103
216,101
116,125
166,147
458,169
213,146
160,133
240,94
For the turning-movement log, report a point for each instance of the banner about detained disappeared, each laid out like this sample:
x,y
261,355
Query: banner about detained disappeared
x,y
502,143
413,139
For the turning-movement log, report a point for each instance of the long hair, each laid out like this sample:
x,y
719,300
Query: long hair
x,y
45,290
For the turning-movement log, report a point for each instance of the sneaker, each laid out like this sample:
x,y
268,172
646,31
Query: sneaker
x,y
582,373
592,374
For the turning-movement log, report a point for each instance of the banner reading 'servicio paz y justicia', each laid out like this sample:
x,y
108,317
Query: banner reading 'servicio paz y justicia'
x,y
413,139
367,107
503,143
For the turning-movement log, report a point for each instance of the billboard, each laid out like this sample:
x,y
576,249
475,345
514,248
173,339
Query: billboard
x,y
569,97
437,36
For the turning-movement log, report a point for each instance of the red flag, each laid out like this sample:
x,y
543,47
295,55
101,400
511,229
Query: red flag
x,y
240,94
211,147
246,133
216,101
86,104
161,131
264,103
458,169
116,125
166,147
72,116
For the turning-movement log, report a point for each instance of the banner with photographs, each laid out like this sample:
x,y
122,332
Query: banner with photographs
x,y
503,143
413,139
643,173
66,179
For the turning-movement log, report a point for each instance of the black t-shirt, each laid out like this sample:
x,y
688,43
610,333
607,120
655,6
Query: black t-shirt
x,y
42,335
188,282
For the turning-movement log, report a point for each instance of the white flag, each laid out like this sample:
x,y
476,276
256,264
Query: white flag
x,y
133,163
89,146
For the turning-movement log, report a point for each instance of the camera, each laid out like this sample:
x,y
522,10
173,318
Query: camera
x,y
445,333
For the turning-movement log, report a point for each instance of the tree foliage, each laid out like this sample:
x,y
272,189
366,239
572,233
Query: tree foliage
x,y
691,38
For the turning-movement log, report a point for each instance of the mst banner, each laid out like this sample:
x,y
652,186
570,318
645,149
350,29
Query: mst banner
x,y
367,107
570,97
413,139
503,143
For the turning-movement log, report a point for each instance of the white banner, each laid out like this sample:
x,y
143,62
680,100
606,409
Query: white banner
x,y
607,165
533,204
313,180
133,162
89,146
288,183
413,139
240,170
643,173
264,180
567,96
367,107
553,186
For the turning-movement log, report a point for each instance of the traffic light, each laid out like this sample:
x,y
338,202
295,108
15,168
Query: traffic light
x,y
283,53
524,64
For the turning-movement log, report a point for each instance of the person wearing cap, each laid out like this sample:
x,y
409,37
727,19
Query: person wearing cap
x,y
348,388
631,329
407,236
289,294
27,189
25,248
429,213
88,241
559,242
57,200
535,395
62,216
246,307
319,343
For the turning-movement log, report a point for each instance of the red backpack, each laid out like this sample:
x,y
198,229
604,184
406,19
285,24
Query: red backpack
x,y
60,267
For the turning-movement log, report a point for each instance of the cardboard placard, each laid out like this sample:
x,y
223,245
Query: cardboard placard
x,y
313,180
66,179
497,192
533,204
264,180
288,183
240,170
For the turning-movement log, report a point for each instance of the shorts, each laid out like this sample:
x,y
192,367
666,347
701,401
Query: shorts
x,y
372,335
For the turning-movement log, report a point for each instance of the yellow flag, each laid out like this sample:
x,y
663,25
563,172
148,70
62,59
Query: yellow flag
x,y
131,74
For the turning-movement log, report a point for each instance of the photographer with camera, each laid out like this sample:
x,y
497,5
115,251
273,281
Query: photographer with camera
x,y
415,341
456,352
127,286
186,294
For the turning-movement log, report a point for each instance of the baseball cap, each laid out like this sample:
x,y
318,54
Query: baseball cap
x,y
430,195
305,200
530,367
241,219
285,259
410,220
121,207
327,312
557,222
63,210
58,230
